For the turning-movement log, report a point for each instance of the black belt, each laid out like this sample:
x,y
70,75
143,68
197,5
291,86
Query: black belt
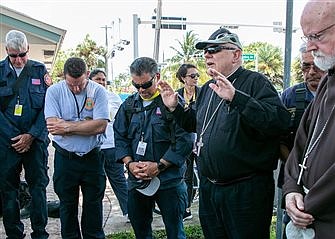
x,y
222,182
92,154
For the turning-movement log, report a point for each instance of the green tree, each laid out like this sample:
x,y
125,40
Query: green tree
x,y
296,73
122,83
270,61
87,50
185,53
57,70
90,52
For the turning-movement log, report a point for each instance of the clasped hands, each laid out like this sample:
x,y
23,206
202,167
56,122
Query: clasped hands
x,y
144,170
22,142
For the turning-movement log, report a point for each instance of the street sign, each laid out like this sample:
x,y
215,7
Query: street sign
x,y
248,57
179,25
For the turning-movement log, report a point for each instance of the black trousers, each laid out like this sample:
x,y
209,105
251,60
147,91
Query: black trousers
x,y
242,210
190,177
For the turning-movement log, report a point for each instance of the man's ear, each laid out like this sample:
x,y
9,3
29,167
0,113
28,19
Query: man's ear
x,y
237,56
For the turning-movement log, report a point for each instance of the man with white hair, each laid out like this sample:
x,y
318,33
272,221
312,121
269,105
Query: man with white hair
x,y
23,136
310,169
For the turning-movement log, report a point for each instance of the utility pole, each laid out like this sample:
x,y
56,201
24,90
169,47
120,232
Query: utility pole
x,y
288,43
157,30
106,55
136,21
287,75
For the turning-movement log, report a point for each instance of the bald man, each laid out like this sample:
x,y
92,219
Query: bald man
x,y
310,170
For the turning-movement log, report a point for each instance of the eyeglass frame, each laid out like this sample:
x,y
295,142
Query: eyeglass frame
x,y
145,85
21,55
316,36
218,48
193,75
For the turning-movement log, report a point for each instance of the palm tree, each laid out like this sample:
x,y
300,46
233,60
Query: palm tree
x,y
270,61
186,53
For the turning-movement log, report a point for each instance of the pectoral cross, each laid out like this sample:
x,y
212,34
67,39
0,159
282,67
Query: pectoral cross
x,y
199,145
302,168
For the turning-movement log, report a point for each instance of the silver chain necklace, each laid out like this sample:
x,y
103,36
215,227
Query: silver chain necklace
x,y
312,145
204,124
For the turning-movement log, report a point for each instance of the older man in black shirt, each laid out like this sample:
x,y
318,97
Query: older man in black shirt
x,y
238,119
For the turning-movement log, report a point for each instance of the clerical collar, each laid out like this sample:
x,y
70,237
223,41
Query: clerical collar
x,y
235,74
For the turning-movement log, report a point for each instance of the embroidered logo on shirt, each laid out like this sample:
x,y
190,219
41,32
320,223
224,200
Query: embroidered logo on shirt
x,y
47,79
35,81
89,104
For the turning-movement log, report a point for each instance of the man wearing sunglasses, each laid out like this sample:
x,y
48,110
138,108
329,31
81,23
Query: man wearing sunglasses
x,y
154,150
23,136
310,168
238,119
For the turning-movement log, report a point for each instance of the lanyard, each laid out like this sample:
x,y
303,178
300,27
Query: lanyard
x,y
77,105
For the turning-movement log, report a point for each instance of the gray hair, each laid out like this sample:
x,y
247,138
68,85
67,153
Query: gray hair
x,y
16,40
143,65
302,49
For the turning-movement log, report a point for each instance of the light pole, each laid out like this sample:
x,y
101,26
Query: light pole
x,y
119,46
106,45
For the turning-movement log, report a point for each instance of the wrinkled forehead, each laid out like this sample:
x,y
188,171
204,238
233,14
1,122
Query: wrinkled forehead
x,y
307,57
317,15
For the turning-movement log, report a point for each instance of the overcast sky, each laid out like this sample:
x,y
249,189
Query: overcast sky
x,y
81,17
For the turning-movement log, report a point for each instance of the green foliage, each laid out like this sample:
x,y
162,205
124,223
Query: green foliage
x,y
87,50
192,232
122,83
90,52
185,53
57,70
270,61
297,75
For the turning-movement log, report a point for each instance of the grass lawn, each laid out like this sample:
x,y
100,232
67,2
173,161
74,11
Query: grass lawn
x,y
192,232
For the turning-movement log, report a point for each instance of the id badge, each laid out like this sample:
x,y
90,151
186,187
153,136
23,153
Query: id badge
x,y
18,110
141,147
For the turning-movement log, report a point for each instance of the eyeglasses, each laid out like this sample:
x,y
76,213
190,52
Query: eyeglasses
x,y
306,67
145,85
216,49
193,75
23,54
317,36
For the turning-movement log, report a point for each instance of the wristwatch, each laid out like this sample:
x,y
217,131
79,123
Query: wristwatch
x,y
161,167
127,165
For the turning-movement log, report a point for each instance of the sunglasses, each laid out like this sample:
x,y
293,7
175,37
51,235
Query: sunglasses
x,y
216,49
145,85
23,54
193,75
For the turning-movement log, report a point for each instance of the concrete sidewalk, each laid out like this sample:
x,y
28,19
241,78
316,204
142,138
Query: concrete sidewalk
x,y
114,221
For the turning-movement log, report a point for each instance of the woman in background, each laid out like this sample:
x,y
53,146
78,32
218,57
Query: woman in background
x,y
188,75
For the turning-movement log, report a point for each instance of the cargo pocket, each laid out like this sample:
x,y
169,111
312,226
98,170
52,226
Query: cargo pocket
x,y
37,97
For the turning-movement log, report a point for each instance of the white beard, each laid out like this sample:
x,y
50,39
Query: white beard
x,y
323,61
